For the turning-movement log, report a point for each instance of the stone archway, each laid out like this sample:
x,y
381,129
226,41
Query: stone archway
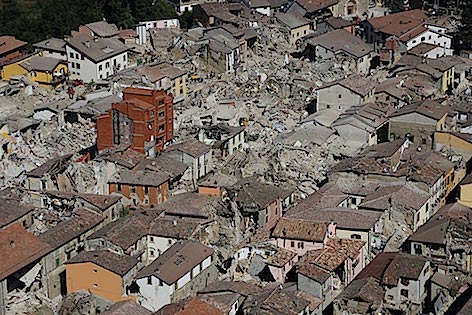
x,y
350,8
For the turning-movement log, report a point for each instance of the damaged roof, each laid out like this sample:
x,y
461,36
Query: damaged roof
x,y
298,229
83,220
312,6
192,147
19,248
355,83
429,108
175,262
52,166
384,197
252,191
140,178
189,204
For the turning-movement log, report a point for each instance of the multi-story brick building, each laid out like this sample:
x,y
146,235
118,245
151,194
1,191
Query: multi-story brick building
x,y
143,119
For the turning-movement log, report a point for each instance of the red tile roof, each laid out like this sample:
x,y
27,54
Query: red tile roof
x,y
398,23
18,248
9,43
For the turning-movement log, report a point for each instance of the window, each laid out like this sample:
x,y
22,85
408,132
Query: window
x,y
133,189
161,114
73,65
423,38
404,293
82,57
149,280
301,245
100,67
124,58
33,74
151,239
161,128
292,244
161,102
118,187
107,65
151,113
339,95
160,283
57,262
151,253
71,55
169,242
95,271
146,191
95,285
77,65
355,236
77,56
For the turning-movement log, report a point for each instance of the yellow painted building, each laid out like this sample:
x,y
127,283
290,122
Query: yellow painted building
x,y
447,80
103,273
46,71
465,191
168,78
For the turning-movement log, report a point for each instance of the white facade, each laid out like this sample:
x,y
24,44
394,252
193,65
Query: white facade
x,y
433,38
53,54
81,67
144,26
156,245
155,293
264,10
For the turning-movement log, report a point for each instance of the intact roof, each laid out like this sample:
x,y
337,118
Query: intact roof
x,y
188,204
399,23
11,210
140,178
345,218
119,264
355,83
19,248
384,150
403,266
291,20
383,197
189,306
329,195
54,44
192,147
338,22
300,230
276,301
376,268
240,287
434,231
98,49
162,164
259,3
160,71
83,221
422,48
44,64
127,307
341,40
9,43
175,262
429,108
103,29
53,166
315,5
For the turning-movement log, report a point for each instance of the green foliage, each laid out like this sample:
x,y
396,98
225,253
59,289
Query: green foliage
x,y
35,20
186,20
124,211
464,35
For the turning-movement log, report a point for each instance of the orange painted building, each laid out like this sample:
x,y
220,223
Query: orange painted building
x,y
103,273
144,119
143,188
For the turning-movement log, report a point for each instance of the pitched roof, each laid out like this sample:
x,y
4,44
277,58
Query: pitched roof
x,y
342,41
140,178
190,306
344,218
335,252
367,116
175,262
252,191
119,264
312,6
355,83
422,48
403,266
300,230
160,71
53,44
11,210
383,197
428,108
10,43
44,64
82,221
434,231
103,29
259,3
97,49
127,307
19,248
52,166
308,268
398,23
376,268
291,20
365,289
192,147
188,204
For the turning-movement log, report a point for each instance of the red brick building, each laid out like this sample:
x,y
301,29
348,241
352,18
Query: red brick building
x,y
144,119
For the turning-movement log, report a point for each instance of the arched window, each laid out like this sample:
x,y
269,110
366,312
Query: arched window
x,y
351,7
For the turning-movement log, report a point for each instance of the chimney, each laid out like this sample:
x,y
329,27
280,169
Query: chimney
x,y
87,44
12,244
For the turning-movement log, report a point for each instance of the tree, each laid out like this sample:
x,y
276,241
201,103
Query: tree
x,y
161,9
119,13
